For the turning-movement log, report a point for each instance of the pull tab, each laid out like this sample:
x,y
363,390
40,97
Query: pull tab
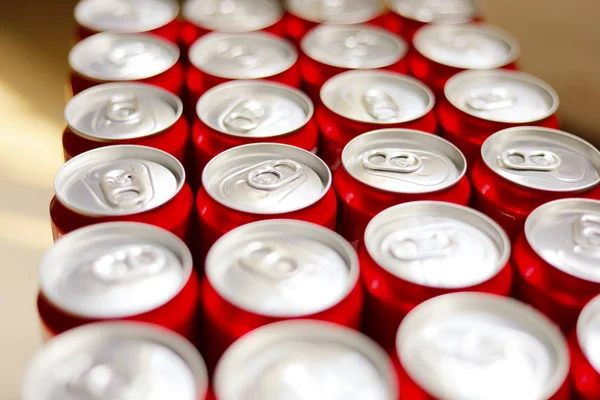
x,y
124,10
269,260
586,234
332,7
472,347
246,116
380,105
224,8
494,99
101,382
123,107
529,160
129,263
240,54
358,46
461,43
124,187
420,246
133,54
273,175
391,160
448,7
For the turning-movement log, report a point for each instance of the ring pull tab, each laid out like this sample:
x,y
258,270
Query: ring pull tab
x,y
529,160
391,161
274,175
126,11
332,7
123,188
442,7
241,54
472,347
459,42
130,263
124,107
586,234
380,105
133,54
358,46
246,116
421,246
224,8
494,99
100,382
269,261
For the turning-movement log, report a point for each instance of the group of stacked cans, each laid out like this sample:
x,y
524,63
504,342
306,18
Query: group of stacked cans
x,y
327,199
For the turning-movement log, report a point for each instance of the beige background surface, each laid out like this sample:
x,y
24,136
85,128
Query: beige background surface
x,y
560,41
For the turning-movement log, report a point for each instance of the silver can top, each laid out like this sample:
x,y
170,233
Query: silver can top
x,y
543,159
232,15
254,109
114,270
471,46
118,180
566,234
437,244
266,178
282,268
404,161
122,56
353,46
435,11
247,55
475,346
588,332
336,11
305,359
116,360
377,97
501,96
120,111
125,16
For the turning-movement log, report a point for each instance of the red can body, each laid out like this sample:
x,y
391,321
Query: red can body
x,y
169,31
586,380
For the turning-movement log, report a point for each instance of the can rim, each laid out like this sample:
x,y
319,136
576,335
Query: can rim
x,y
190,16
201,107
80,97
102,331
584,320
336,243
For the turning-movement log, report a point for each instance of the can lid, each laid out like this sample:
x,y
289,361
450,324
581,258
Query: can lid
x,y
266,178
471,46
247,55
232,15
125,15
377,97
543,159
305,359
501,96
118,180
437,244
404,161
353,46
119,111
435,11
588,332
122,56
282,268
116,360
254,109
114,270
481,346
566,234
337,11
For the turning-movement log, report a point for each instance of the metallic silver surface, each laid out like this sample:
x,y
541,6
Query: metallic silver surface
x,y
232,15
435,11
588,332
336,11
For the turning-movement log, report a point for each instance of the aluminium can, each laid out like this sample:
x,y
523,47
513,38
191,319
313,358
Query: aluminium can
x,y
585,360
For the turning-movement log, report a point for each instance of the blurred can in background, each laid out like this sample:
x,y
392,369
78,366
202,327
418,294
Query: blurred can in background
x,y
585,360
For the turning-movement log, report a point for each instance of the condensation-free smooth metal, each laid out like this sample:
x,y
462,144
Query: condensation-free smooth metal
x,y
543,159
336,11
435,11
305,359
472,46
353,46
266,178
116,360
232,15
588,332
403,161
377,97
122,56
501,96
118,180
475,346
119,111
254,109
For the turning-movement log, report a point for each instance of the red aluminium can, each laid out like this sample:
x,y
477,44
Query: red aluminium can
x,y
276,270
415,251
481,346
556,259
122,183
480,103
442,51
356,102
221,57
531,166
158,17
262,181
115,57
328,50
585,360
391,166
243,112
